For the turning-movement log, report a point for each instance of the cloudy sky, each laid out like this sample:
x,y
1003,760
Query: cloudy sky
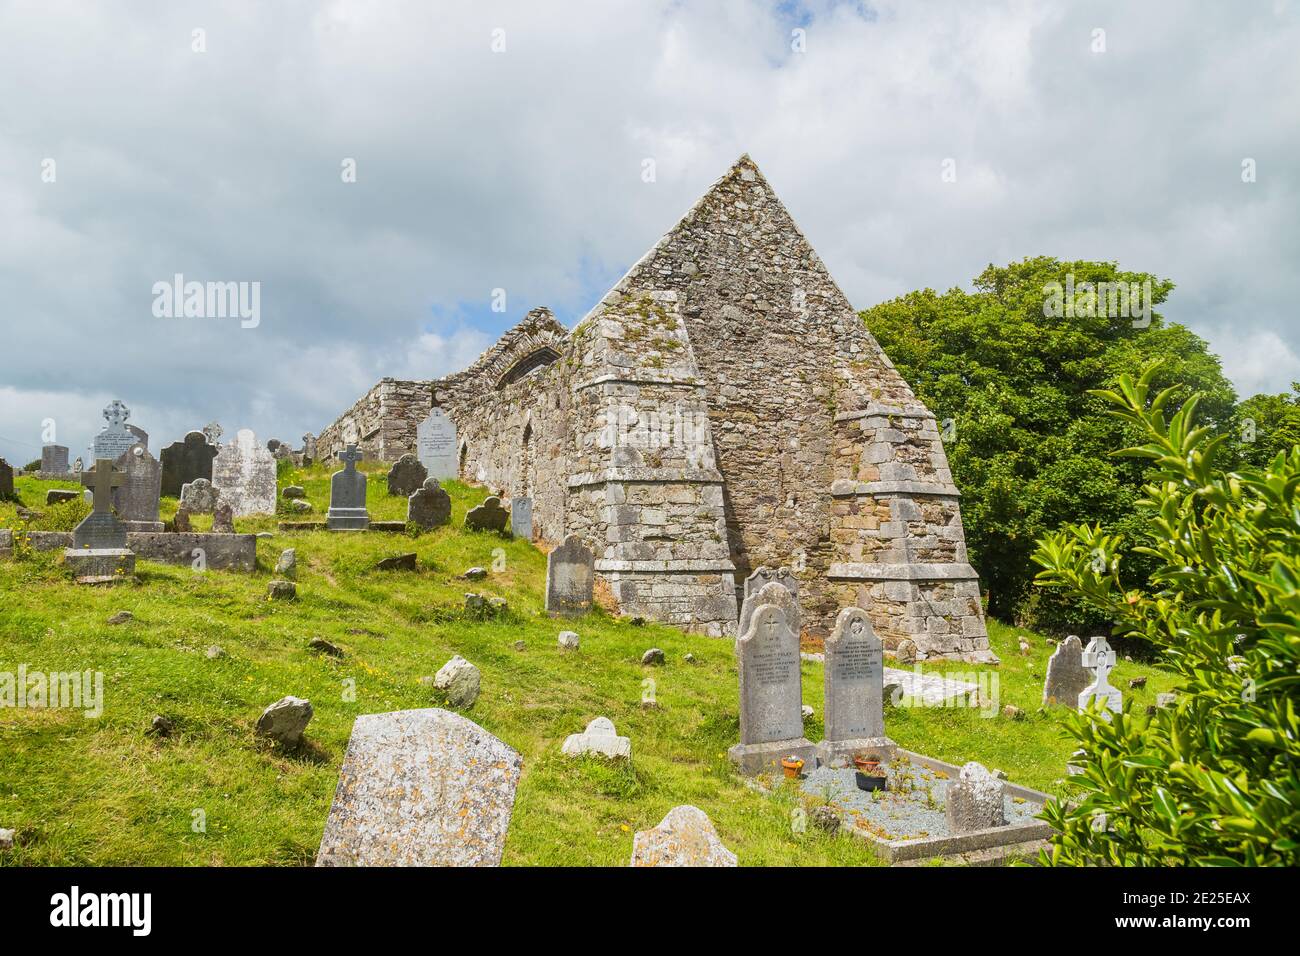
x,y
503,146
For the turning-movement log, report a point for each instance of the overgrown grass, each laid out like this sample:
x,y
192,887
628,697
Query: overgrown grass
x,y
102,791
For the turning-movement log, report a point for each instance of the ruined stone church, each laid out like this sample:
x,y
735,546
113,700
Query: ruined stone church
x,y
722,408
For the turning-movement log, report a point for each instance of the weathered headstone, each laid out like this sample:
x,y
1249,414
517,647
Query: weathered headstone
x,y
54,460
570,578
186,461
213,432
430,506
760,578
308,449
976,800
854,675
223,519
1066,677
200,497
116,439
406,476
685,837
244,474
435,444
181,523
1099,657
521,517
774,592
6,480
99,551
141,436
347,510
489,516
137,498
421,788
771,695
599,738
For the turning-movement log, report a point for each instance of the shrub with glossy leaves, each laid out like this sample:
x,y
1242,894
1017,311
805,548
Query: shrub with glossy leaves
x,y
1215,778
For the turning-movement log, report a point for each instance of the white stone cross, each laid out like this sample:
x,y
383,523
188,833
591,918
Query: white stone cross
x,y
1099,657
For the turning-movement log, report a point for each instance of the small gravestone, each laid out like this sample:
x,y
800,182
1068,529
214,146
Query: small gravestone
x,y
489,516
521,518
600,738
421,788
223,519
308,449
99,552
1099,657
975,800
6,480
186,461
774,592
137,498
181,523
244,473
771,695
430,506
570,578
435,445
116,439
854,675
199,497
348,495
406,476
1066,677
685,837
54,460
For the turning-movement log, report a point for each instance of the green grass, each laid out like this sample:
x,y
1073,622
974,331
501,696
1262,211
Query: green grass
x,y
103,792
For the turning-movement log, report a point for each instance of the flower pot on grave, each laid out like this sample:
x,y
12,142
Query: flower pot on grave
x,y
791,765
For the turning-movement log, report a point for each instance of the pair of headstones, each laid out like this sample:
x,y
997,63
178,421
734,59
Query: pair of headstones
x,y
771,689
1069,682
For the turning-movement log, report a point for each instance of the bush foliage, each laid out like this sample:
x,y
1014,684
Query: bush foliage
x,y
1214,779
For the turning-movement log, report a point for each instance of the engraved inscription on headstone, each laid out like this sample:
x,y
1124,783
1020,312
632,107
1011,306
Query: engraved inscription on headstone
x,y
244,474
116,439
521,517
54,460
137,498
435,441
570,578
854,676
771,695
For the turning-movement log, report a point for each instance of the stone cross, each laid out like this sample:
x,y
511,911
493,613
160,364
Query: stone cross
x,y
350,458
102,481
116,413
1099,657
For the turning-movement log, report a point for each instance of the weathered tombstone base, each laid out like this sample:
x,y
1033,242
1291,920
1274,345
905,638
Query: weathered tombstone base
x,y
751,759
100,565
831,751
348,519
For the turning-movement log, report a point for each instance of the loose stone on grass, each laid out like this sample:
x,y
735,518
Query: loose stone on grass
x,y
653,657
685,837
121,617
399,562
282,591
568,640
288,563
325,647
460,680
285,720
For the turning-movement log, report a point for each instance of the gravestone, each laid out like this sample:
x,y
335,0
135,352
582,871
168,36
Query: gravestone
x,y
308,449
406,476
54,460
348,495
685,837
200,497
771,695
489,516
760,578
137,498
141,436
854,675
570,578
599,738
421,788
223,519
521,518
1099,657
244,475
213,432
435,445
116,439
430,506
1066,678
976,800
186,461
6,480
773,592
99,554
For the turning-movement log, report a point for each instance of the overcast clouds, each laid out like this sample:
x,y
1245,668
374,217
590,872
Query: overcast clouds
x,y
522,169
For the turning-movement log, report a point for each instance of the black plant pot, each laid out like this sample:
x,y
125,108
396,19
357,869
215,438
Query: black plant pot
x,y
869,783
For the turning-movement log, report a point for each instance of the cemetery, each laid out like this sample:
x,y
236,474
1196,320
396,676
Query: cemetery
x,y
302,663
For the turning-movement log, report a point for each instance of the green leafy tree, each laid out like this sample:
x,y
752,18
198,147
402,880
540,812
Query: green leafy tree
x,y
1029,450
1267,424
1214,779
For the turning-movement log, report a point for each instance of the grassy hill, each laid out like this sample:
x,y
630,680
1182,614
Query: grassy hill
x,y
104,791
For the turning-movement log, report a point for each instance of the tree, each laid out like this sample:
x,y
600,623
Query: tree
x,y
1015,377
1265,425
1212,780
